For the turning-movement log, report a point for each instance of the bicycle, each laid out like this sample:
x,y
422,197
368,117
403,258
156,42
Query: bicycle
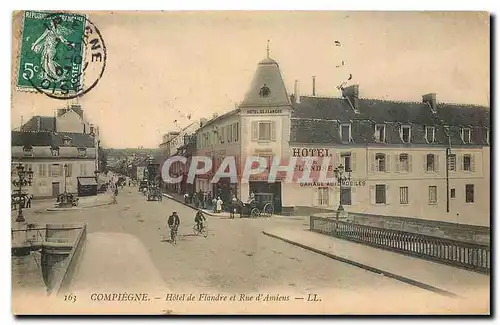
x,y
173,235
203,231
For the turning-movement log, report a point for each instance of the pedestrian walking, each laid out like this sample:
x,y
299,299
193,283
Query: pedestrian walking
x,y
115,194
219,205
186,198
233,205
28,201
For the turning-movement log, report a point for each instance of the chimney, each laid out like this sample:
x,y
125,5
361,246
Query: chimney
x,y
203,121
351,93
296,93
430,99
314,85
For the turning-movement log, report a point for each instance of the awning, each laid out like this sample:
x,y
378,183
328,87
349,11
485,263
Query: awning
x,y
87,181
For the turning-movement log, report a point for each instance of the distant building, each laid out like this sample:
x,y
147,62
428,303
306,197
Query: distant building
x,y
47,154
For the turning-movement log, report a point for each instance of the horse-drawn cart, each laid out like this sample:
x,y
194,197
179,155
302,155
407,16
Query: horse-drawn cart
x,y
260,206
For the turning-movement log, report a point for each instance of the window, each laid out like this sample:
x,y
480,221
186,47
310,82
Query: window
x,y
452,162
345,196
405,133
28,151
55,170
323,196
346,161
430,134
268,159
467,163
264,91
469,193
263,130
83,170
345,132
69,170
54,152
432,194
82,152
403,195
404,162
380,162
42,170
465,134
380,133
229,132
430,163
380,194
452,193
237,132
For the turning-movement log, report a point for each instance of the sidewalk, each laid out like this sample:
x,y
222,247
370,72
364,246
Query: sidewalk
x,y
440,278
180,199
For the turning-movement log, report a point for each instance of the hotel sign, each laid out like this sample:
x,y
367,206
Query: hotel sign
x,y
334,184
311,152
264,111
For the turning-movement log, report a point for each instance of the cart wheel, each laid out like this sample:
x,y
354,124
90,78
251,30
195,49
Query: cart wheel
x,y
268,210
255,213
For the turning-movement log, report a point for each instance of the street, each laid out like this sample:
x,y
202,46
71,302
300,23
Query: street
x,y
235,257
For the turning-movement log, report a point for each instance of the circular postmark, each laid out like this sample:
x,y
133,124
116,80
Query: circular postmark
x,y
66,56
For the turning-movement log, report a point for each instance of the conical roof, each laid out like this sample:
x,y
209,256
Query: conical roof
x,y
267,87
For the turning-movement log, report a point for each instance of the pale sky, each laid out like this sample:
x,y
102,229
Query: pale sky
x,y
203,62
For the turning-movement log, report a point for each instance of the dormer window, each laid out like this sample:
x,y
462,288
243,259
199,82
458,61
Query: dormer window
x,y
405,133
345,133
380,133
264,91
54,151
67,141
430,134
465,134
82,152
28,150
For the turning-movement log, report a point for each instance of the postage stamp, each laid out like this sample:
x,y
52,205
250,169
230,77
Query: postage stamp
x,y
57,51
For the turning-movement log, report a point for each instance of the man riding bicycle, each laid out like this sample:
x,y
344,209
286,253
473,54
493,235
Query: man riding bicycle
x,y
173,222
199,219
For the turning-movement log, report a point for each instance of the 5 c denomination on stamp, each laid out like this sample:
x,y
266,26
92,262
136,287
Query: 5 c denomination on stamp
x,y
62,55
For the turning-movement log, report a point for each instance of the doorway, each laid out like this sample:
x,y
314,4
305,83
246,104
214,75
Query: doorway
x,y
55,189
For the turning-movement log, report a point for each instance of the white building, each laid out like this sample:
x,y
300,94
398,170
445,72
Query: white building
x,y
396,151
50,155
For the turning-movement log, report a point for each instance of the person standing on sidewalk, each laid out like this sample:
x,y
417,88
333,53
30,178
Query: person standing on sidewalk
x,y
232,206
115,194
186,198
219,205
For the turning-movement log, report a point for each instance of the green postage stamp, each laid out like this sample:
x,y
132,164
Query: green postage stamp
x,y
52,53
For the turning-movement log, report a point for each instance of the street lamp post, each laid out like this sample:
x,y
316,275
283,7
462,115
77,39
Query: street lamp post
x,y
65,175
24,178
341,175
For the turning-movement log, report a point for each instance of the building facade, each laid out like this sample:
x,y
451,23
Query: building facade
x,y
52,155
427,160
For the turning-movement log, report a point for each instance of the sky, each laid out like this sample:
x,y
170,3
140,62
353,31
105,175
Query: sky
x,y
164,65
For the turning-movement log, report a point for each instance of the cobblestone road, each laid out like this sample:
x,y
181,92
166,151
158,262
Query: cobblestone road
x,y
235,258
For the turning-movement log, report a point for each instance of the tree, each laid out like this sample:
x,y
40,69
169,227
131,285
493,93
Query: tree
x,y
102,160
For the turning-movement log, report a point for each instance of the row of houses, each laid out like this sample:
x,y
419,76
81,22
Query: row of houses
x,y
62,152
427,160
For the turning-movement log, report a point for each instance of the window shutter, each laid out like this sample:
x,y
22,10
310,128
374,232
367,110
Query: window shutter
x,y
436,163
388,198
338,160
61,170
425,163
255,130
472,162
396,163
372,163
387,163
315,197
273,131
372,194
461,162
353,162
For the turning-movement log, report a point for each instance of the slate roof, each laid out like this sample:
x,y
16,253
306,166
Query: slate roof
x,y
40,123
268,73
317,120
48,139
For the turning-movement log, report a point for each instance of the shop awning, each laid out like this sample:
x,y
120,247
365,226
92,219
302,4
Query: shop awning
x,y
87,181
